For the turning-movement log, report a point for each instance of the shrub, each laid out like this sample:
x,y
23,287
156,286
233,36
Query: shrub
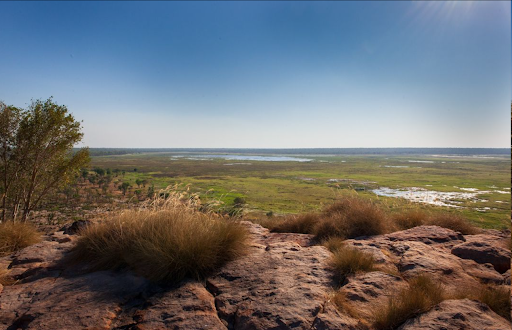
x,y
423,293
15,236
302,223
454,222
347,260
410,219
165,242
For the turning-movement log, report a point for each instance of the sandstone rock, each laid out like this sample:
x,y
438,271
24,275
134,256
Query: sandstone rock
x,y
91,301
428,235
458,314
190,306
276,286
506,277
367,292
483,272
421,259
484,252
75,227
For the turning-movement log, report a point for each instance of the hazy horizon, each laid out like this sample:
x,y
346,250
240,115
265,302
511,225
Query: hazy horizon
x,y
266,74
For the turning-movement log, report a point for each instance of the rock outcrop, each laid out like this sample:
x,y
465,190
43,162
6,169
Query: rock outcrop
x,y
284,282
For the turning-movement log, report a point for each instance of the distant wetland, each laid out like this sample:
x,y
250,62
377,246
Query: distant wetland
x,y
475,185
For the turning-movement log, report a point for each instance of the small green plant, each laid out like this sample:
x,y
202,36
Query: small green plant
x,y
346,261
421,295
15,236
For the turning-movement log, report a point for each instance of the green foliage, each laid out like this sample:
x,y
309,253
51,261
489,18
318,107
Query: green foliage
x,y
36,154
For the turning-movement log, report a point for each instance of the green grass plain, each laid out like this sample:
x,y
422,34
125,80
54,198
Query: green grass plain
x,y
293,187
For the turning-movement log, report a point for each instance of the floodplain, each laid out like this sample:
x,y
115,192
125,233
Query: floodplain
x,y
475,185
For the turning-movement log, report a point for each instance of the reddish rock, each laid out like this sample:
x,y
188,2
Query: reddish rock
x,y
484,252
456,315
366,292
428,235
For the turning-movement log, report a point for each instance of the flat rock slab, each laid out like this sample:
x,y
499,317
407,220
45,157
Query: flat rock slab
x,y
456,315
278,285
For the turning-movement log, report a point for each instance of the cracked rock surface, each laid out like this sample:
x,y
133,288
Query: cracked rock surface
x,y
283,282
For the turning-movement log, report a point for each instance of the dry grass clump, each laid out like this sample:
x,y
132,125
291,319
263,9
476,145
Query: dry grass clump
x,y
410,219
5,278
347,260
423,293
301,223
496,297
454,222
349,217
352,217
15,236
334,243
166,241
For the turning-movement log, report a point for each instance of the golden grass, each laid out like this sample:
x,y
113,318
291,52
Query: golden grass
x,y
410,219
352,217
301,223
340,301
5,278
496,297
346,261
15,236
166,241
454,222
421,295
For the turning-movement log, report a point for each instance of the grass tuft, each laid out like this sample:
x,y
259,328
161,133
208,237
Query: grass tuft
x,y
423,293
454,222
352,217
496,297
166,241
301,223
346,261
410,219
15,236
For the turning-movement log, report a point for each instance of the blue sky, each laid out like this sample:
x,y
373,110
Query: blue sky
x,y
266,74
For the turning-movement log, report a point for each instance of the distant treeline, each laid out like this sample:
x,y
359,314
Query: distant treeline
x,y
309,151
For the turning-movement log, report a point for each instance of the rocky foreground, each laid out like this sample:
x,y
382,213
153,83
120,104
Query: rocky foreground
x,y
284,282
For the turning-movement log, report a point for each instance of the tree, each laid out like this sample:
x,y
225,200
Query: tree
x,y
38,157
124,187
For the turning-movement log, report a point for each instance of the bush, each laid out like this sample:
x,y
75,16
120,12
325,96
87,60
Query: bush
x,y
165,242
302,223
410,219
453,222
15,236
423,293
346,261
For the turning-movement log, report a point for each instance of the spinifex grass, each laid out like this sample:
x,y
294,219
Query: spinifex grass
x,y
165,241
17,235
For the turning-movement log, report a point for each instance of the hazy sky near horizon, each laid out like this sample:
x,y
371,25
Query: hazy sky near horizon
x,y
266,74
